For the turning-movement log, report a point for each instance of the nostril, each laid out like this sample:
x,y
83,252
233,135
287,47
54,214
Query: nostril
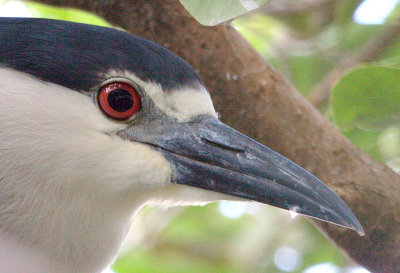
x,y
222,146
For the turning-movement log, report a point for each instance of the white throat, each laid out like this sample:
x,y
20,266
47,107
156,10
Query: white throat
x,y
69,186
65,180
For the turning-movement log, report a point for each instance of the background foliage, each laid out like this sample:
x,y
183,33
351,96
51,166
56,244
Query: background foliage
x,y
346,66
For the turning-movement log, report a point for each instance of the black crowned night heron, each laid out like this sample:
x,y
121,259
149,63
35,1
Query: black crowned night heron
x,y
95,123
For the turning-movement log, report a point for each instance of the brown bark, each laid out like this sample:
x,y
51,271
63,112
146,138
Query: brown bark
x,y
255,99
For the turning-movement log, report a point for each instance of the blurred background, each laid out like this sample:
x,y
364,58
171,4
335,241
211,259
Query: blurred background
x,y
342,55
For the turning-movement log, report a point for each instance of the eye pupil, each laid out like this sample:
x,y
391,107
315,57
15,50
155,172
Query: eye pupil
x,y
120,100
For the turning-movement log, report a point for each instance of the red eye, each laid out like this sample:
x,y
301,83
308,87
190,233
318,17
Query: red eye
x,y
119,100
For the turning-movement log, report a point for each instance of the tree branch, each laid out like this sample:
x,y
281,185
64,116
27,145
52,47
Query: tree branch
x,y
259,102
370,51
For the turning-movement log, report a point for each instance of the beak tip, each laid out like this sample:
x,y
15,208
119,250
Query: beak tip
x,y
350,221
359,229
353,224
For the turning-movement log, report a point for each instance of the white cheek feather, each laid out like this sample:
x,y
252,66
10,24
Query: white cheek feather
x,y
68,186
187,104
183,104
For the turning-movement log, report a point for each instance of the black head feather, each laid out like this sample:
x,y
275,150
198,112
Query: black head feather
x,y
77,55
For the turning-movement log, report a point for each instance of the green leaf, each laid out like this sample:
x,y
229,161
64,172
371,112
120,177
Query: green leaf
x,y
368,98
368,141
306,70
168,261
260,30
67,14
353,36
211,13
